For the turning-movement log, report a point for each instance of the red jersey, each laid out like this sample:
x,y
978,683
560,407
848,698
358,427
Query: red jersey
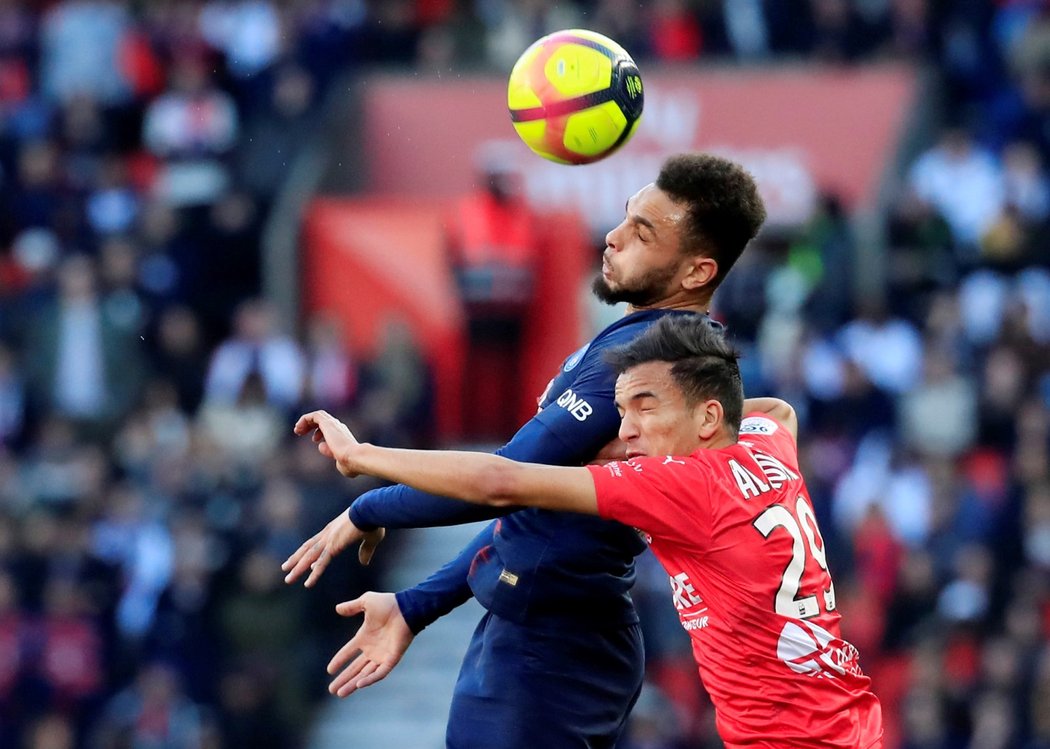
x,y
734,528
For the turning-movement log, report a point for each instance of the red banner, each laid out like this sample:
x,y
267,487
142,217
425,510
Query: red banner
x,y
799,130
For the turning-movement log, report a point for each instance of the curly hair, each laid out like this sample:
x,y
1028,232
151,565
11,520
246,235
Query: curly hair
x,y
725,210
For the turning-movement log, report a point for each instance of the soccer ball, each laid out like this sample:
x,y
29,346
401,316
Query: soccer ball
x,y
575,96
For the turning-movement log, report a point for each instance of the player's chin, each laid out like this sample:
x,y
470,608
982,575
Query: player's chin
x,y
605,288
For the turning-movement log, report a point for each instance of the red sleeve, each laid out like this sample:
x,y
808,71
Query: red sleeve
x,y
665,497
770,436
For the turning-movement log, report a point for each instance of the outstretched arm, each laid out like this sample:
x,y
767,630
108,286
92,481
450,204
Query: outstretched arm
x,y
566,432
541,440
472,477
538,441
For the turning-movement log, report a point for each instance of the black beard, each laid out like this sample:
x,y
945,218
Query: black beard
x,y
647,291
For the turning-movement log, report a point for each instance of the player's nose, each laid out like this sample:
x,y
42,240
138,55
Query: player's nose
x,y
628,431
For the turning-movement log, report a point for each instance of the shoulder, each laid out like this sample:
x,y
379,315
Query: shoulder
x,y
769,435
691,469
759,424
632,325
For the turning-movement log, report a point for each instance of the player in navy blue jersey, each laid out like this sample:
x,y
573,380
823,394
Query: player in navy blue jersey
x,y
557,660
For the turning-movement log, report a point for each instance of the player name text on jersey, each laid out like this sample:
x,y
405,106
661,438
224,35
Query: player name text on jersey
x,y
775,473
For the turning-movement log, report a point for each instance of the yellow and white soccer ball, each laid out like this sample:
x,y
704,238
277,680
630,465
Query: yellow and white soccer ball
x,y
575,96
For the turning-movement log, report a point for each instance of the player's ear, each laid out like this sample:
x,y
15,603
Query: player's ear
x,y
709,418
702,271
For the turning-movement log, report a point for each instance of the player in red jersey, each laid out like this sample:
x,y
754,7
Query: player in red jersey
x,y
713,482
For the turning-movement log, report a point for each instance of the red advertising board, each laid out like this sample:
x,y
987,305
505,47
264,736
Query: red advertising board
x,y
799,130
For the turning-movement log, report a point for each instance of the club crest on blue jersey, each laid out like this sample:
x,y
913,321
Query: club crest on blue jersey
x,y
575,359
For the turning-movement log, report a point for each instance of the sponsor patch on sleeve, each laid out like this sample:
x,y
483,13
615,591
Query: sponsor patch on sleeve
x,y
575,359
758,425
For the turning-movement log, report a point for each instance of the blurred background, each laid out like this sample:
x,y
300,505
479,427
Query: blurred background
x,y
214,215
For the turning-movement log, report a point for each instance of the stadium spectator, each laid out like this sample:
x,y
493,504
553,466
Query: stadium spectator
x,y
333,375
191,128
247,32
12,398
492,236
257,348
278,127
939,415
180,354
513,26
963,182
83,360
153,711
80,45
246,431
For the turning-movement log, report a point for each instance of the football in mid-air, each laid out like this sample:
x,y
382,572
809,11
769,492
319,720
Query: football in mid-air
x,y
575,96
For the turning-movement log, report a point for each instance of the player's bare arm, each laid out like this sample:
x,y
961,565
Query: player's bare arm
x,y
479,478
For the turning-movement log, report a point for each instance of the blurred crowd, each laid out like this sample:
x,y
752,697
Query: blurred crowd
x,y
148,486
148,490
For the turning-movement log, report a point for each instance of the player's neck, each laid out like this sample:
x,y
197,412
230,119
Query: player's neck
x,y
686,305
718,442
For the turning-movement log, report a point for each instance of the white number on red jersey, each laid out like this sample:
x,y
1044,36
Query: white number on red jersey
x,y
788,601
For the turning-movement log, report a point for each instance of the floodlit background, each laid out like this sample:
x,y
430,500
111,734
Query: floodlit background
x,y
214,215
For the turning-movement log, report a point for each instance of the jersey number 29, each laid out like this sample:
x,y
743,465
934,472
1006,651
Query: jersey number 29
x,y
801,523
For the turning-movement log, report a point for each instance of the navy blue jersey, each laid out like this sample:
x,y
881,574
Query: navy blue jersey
x,y
531,564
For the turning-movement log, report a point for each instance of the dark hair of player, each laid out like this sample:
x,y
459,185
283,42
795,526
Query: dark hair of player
x,y
725,209
703,363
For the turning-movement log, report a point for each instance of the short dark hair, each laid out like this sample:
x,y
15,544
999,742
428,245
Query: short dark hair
x,y
703,363
725,209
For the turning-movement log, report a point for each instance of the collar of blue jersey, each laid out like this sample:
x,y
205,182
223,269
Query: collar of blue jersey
x,y
649,314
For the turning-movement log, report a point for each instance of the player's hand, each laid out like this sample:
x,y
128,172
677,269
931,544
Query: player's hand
x,y
615,450
377,647
318,551
333,438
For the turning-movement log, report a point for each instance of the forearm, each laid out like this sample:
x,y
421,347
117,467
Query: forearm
x,y
535,442
476,477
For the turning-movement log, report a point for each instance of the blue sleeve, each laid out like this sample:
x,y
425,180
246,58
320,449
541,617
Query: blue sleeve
x,y
583,416
555,436
570,430
446,589
401,506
